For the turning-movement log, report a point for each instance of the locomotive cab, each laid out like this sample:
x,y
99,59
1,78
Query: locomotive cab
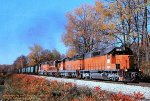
x,y
124,63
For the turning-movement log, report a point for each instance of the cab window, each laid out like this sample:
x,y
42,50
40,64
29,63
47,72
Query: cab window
x,y
108,56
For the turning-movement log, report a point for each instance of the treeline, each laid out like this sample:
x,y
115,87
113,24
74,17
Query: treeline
x,y
36,56
6,68
108,23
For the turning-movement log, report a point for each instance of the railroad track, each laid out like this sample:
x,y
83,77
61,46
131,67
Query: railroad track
x,y
143,84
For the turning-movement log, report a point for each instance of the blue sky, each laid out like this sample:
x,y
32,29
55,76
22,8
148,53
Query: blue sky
x,y
24,23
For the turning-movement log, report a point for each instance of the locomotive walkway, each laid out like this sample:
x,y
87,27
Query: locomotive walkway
x,y
111,87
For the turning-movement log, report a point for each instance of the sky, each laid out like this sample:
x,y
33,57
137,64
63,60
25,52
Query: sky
x,y
24,23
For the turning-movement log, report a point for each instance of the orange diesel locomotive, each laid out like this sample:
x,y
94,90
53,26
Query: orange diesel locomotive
x,y
115,63
47,68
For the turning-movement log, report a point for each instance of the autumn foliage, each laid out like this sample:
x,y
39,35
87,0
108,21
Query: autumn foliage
x,y
86,28
30,88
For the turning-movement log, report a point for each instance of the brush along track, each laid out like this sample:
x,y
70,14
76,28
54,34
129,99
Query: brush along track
x,y
115,87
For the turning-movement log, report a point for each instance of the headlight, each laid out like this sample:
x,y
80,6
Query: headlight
x,y
126,70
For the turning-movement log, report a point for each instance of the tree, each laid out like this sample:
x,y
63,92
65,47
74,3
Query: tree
x,y
20,62
131,18
39,55
55,55
35,55
5,68
46,55
87,27
71,52
145,31
78,30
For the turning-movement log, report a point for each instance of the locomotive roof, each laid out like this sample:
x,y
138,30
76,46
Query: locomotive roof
x,y
109,50
118,50
104,51
114,49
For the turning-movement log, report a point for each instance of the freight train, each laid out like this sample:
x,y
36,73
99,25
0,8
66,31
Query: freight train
x,y
115,63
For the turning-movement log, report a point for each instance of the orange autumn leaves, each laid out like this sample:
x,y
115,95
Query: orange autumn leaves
x,y
87,26
43,90
28,84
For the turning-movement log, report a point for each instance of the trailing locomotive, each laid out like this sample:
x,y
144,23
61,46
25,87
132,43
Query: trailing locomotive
x,y
115,63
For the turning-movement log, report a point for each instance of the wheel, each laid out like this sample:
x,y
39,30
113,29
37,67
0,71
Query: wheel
x,y
81,76
125,82
117,79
